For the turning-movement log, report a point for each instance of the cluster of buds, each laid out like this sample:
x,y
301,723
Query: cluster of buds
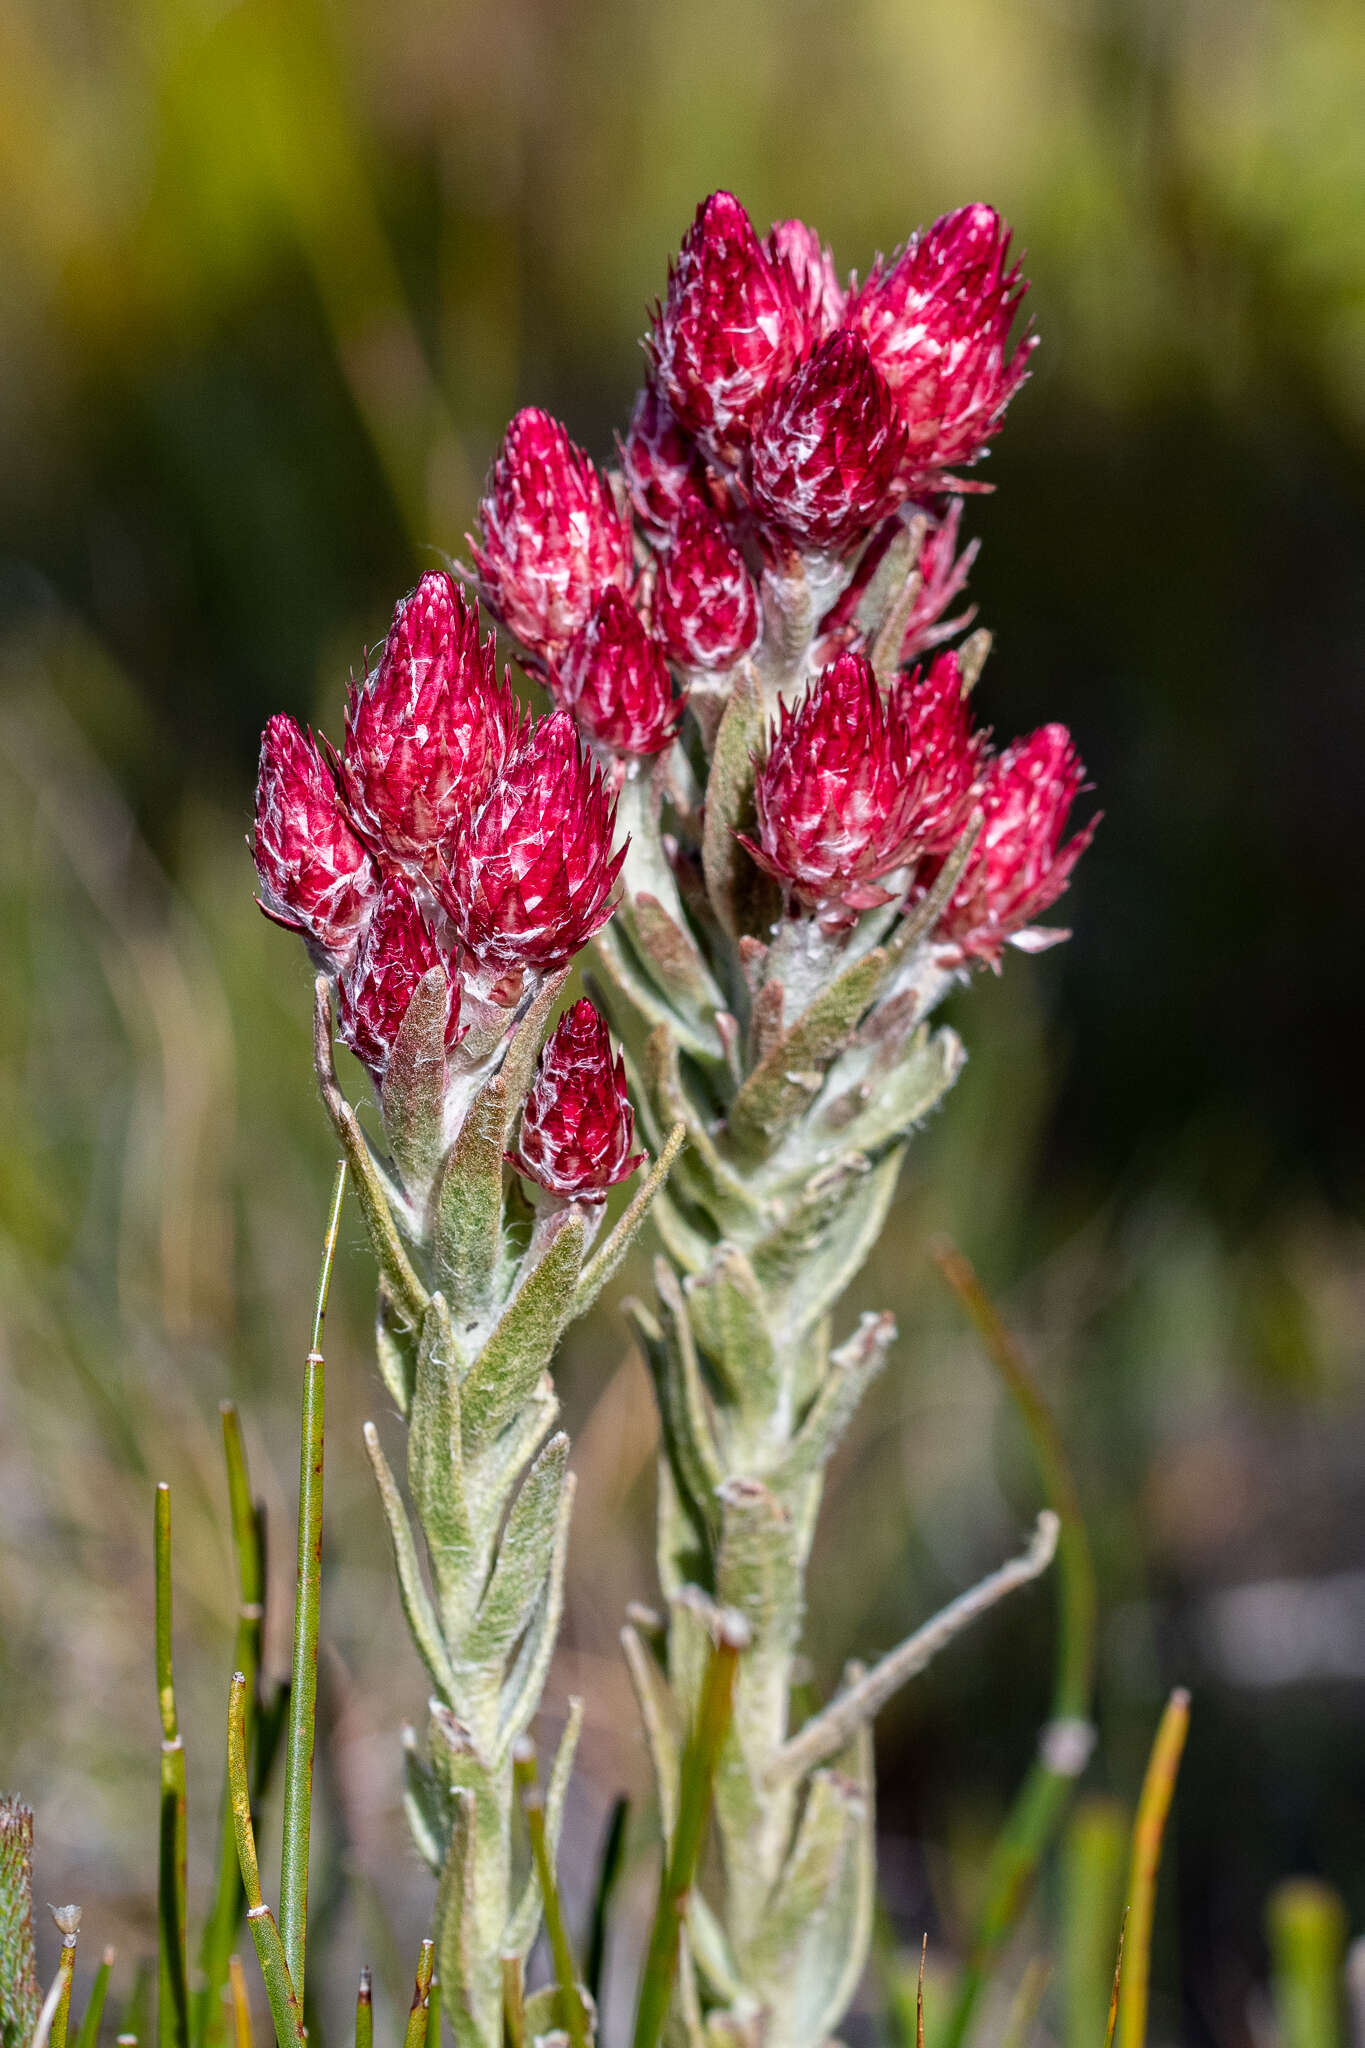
x,y
783,841
452,837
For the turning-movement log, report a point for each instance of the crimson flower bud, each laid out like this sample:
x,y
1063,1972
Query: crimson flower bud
x,y
828,449
426,736
315,875
795,252
553,538
943,574
660,461
936,321
857,784
1018,866
616,682
705,607
945,755
398,949
530,879
728,331
578,1126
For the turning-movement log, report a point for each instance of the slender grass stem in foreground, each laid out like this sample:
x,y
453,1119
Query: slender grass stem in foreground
x,y
94,2009
172,2002
224,1918
279,1989
303,1689
1069,1737
1158,1789
700,1759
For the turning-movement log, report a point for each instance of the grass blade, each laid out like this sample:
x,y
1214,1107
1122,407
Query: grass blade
x,y
241,2009
695,1777
303,1687
209,2017
416,2035
513,2002
364,2012
1037,1810
172,1999
608,1876
533,1805
1093,1856
1306,1927
285,2010
1148,1830
88,2032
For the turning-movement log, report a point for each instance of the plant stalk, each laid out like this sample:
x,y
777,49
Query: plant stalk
x,y
303,1691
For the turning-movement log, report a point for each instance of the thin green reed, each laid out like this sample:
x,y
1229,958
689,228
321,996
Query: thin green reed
x,y
298,1769
172,2005
220,1929
681,1857
1041,1800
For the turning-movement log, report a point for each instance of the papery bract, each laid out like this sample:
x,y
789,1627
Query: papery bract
x,y
553,538
936,321
943,574
1019,866
729,329
428,732
660,462
615,680
531,878
374,993
316,876
828,448
797,254
578,1126
705,608
856,783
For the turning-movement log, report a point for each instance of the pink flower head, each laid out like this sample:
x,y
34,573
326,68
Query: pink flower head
x,y
855,783
946,756
660,461
936,321
796,253
705,607
943,574
578,1126
1018,866
398,949
616,682
531,878
828,449
728,331
315,875
426,736
553,538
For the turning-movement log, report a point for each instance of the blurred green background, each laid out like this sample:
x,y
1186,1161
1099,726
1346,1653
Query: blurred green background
x,y
275,274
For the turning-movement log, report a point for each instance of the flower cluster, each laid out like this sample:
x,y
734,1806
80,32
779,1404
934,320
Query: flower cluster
x,y
793,427
452,835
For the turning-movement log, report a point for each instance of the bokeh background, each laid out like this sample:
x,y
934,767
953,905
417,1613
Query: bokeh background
x,y
275,274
